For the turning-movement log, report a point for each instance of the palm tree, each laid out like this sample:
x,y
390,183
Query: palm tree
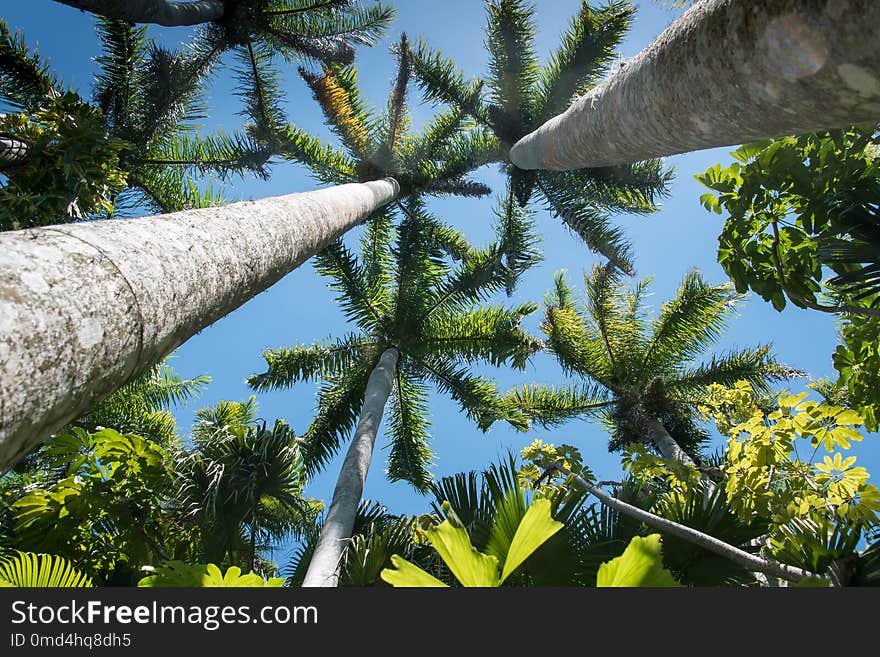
x,y
242,484
641,376
375,145
522,95
418,325
138,134
677,95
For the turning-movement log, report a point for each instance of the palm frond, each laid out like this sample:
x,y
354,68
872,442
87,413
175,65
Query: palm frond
x,y
294,364
553,406
477,396
259,86
120,73
339,405
491,335
326,163
690,322
442,81
337,94
26,569
411,458
221,154
25,78
518,239
757,365
513,63
581,214
362,305
588,49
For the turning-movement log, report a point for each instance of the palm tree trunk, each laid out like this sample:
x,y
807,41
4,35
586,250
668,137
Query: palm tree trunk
x,y
158,12
726,72
667,445
12,151
324,567
86,307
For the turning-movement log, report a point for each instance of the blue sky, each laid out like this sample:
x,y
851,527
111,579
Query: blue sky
x,y
301,309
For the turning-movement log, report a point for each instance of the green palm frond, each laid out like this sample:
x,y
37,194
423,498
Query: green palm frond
x,y
577,345
27,569
351,22
25,79
168,190
477,396
120,72
220,154
339,405
325,162
441,128
491,335
581,214
588,49
411,458
259,86
552,406
513,65
292,365
710,514
171,97
690,322
756,365
442,81
226,417
363,305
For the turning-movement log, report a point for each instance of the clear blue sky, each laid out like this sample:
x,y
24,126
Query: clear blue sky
x,y
300,309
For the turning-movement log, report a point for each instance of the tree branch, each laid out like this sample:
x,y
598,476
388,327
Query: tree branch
x,y
750,561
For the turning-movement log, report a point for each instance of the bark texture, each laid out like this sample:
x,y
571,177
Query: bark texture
x,y
158,12
86,307
727,72
12,151
324,567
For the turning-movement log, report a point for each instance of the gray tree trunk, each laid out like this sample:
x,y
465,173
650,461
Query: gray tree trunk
x,y
726,72
12,151
86,307
751,561
323,569
158,12
667,445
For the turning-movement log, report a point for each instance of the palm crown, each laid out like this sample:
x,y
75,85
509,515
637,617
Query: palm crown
x,y
375,145
519,95
404,293
637,368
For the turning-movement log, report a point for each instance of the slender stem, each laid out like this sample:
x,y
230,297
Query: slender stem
x,y
750,561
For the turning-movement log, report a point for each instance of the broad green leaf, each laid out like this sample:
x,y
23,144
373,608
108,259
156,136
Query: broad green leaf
x,y
405,574
640,565
535,529
813,582
178,574
470,567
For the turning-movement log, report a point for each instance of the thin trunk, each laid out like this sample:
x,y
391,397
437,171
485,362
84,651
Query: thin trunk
x,y
705,541
158,12
324,567
13,152
86,307
667,445
670,449
727,72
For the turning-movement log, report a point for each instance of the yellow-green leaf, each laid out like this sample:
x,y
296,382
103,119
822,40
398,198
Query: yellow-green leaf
x,y
639,565
405,574
536,527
